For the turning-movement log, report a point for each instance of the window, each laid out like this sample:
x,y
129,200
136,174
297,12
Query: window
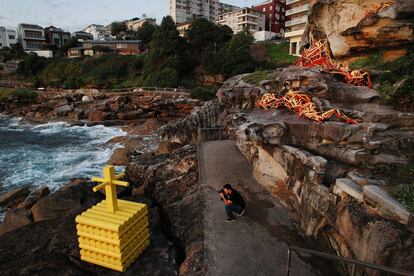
x,y
11,36
264,9
271,8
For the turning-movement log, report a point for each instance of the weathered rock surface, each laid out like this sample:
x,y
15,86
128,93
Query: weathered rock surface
x,y
185,131
16,195
351,34
319,171
172,182
313,168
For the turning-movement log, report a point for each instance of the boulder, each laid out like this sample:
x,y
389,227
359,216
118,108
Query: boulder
x,y
63,111
16,195
87,99
97,116
167,147
120,157
68,200
15,218
41,191
130,115
28,202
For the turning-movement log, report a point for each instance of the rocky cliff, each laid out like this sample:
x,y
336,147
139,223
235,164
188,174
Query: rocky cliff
x,y
326,173
335,179
353,33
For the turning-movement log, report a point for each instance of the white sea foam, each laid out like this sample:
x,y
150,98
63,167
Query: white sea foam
x,y
53,153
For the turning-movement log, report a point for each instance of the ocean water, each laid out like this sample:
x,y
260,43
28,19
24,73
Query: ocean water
x,y
51,154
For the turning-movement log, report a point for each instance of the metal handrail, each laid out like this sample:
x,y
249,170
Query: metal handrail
x,y
343,259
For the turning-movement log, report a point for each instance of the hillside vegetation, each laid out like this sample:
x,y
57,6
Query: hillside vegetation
x,y
171,60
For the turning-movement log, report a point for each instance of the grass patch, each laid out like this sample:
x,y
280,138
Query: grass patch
x,y
256,77
279,52
5,92
373,61
405,195
404,192
399,71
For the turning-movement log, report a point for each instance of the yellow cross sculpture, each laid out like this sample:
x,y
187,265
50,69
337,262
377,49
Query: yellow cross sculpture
x,y
109,182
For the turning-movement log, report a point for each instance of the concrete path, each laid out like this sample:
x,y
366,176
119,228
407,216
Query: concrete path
x,y
256,243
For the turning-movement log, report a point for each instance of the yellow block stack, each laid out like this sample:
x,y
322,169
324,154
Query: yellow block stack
x,y
113,240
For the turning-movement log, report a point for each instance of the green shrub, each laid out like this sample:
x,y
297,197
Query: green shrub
x,y
23,95
405,195
5,92
31,65
256,77
203,93
167,77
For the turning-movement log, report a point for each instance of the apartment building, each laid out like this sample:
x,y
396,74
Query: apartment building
x,y
136,23
297,16
31,37
99,32
56,36
275,15
7,37
185,10
245,18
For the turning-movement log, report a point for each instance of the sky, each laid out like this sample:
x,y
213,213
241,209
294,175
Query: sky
x,y
75,15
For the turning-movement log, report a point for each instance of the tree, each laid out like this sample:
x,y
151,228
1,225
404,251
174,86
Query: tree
x,y
234,58
118,28
167,51
146,32
31,65
70,43
206,37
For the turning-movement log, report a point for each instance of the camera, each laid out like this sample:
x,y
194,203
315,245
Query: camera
x,y
221,191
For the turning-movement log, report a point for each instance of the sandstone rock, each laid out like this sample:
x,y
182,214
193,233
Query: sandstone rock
x,y
384,202
41,191
350,33
120,157
68,200
63,111
98,116
18,194
344,185
28,202
167,147
130,115
15,218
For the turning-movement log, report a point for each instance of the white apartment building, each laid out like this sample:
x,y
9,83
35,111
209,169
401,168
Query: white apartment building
x,y
297,17
245,18
185,10
31,37
7,37
99,32
135,24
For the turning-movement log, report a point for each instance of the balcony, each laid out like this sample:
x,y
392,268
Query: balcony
x,y
294,33
288,2
302,20
297,10
247,14
247,22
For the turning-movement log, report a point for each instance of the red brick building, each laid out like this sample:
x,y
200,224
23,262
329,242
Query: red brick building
x,y
275,14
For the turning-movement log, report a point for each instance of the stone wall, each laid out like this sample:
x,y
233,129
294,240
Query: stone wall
x,y
186,130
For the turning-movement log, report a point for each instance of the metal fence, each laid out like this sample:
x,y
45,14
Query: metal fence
x,y
354,263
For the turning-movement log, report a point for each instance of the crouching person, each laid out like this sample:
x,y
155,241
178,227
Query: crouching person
x,y
233,201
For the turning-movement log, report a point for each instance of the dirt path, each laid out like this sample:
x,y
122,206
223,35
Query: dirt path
x,y
255,244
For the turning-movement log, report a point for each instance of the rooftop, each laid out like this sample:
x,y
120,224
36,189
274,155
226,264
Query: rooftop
x,y
30,26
